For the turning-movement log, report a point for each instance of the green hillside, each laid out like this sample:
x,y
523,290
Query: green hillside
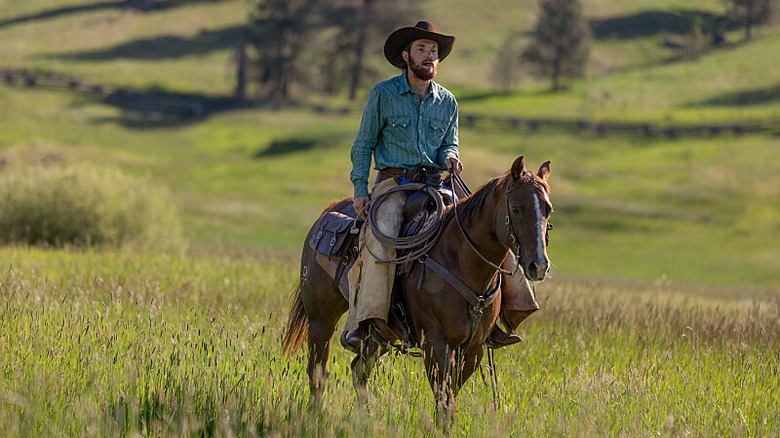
x,y
660,317
694,204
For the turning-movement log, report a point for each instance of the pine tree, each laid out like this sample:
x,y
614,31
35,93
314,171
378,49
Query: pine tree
x,y
561,40
751,12
278,32
361,27
322,44
506,69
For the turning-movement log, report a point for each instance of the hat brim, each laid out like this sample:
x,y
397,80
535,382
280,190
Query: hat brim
x,y
398,40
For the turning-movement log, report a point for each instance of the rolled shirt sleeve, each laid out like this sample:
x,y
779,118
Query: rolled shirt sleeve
x,y
449,145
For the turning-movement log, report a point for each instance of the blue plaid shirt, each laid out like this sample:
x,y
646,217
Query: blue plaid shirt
x,y
400,131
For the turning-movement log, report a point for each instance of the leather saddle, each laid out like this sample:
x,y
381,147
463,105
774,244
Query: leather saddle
x,y
336,239
336,242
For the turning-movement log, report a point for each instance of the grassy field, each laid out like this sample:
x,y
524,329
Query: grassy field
x,y
107,344
661,316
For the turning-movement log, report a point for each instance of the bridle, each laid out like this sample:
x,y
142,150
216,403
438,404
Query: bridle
x,y
511,235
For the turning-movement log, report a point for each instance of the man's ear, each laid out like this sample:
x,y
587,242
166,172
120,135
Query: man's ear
x,y
405,55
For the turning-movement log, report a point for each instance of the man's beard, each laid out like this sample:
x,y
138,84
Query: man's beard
x,y
421,72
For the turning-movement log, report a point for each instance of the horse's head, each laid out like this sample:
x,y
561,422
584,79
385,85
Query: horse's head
x,y
528,210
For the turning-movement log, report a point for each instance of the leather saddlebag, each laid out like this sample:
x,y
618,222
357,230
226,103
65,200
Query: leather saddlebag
x,y
333,237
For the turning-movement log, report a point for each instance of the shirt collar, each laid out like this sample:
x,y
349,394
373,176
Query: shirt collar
x,y
403,87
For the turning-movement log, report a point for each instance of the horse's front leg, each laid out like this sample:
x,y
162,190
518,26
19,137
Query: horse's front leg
x,y
468,362
439,365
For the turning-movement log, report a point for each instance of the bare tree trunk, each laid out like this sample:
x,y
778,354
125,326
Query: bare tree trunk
x,y
360,46
239,97
556,74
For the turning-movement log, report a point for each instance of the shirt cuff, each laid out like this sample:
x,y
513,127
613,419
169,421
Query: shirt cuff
x,y
361,189
448,152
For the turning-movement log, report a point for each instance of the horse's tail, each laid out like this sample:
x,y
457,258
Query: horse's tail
x,y
295,334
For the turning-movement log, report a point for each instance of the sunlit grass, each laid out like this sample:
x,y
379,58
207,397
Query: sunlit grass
x,y
101,343
105,344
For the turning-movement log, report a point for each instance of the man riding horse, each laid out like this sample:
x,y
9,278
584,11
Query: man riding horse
x,y
410,129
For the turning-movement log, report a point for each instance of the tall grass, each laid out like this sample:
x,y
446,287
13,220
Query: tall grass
x,y
103,343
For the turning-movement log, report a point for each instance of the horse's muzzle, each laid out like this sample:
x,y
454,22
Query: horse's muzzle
x,y
537,271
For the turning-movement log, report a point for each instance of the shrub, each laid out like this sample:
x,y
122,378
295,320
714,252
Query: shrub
x,y
84,205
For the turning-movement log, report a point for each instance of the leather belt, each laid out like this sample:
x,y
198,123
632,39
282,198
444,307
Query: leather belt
x,y
393,172
403,173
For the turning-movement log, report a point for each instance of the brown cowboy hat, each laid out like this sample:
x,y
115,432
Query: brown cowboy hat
x,y
423,30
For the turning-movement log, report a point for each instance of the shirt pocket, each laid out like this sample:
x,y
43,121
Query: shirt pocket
x,y
399,130
435,131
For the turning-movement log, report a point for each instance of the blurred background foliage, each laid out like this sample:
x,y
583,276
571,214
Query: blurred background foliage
x,y
663,133
182,149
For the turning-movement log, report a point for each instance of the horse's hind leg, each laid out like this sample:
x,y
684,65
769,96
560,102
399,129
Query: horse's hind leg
x,y
317,368
362,365
324,305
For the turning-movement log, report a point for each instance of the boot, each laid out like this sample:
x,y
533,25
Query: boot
x,y
353,339
499,338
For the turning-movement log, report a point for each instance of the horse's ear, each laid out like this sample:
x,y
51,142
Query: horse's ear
x,y
544,171
517,168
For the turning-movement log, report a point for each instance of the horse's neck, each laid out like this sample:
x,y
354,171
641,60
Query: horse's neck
x,y
484,232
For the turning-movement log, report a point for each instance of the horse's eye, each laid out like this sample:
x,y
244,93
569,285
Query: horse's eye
x,y
515,209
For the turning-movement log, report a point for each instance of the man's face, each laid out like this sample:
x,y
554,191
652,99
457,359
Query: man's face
x,y
423,59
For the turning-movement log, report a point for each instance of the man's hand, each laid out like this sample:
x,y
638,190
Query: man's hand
x,y
359,203
453,164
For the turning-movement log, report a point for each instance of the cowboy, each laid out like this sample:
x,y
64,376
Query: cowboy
x,y
409,126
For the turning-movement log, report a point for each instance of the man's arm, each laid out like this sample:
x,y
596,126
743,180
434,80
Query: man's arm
x,y
365,142
363,150
448,153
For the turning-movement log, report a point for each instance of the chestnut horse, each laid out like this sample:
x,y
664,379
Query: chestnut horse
x,y
509,212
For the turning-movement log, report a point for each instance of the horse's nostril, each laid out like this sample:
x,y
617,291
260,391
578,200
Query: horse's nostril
x,y
532,269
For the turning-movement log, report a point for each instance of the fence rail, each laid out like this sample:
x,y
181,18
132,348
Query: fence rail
x,y
155,106
150,105
606,128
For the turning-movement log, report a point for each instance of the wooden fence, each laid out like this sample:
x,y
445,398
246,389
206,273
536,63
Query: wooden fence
x,y
149,105
156,105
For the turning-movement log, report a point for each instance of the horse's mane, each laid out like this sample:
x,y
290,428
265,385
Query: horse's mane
x,y
472,205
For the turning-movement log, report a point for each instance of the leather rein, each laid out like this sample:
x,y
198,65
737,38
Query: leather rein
x,y
477,303
507,221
